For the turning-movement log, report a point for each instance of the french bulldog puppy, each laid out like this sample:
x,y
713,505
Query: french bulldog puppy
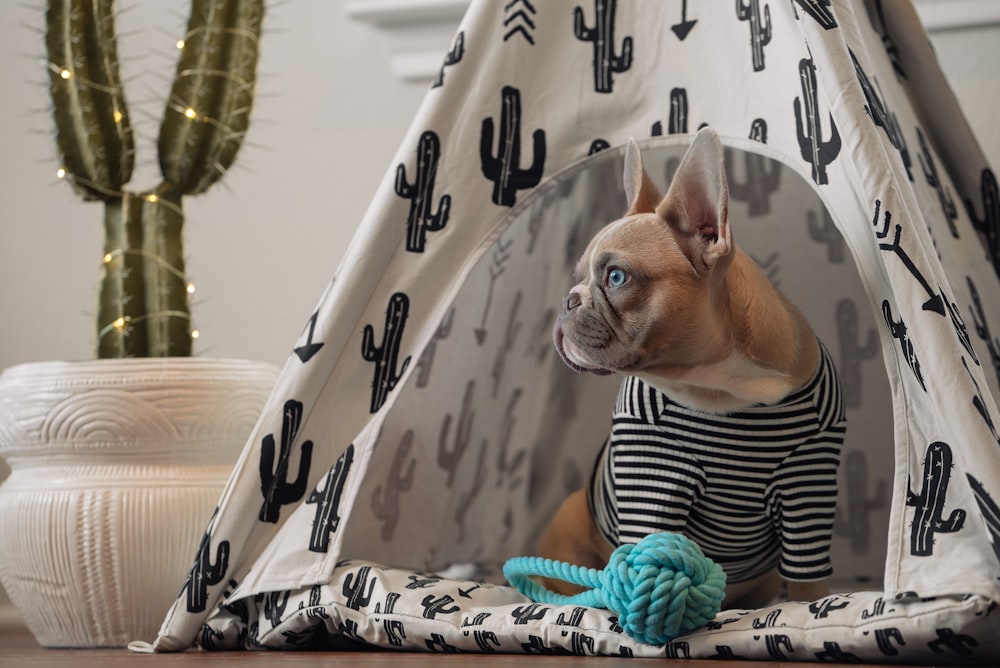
x,y
729,422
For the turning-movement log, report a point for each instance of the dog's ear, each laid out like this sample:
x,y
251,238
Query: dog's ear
x,y
643,196
697,203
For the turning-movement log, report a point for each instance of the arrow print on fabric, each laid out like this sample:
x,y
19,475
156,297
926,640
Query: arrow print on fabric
x,y
684,27
500,256
309,348
518,21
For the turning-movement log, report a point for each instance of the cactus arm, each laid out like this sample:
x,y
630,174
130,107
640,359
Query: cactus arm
x,y
93,132
580,30
208,110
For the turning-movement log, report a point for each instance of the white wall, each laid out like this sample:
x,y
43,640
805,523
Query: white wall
x,y
263,244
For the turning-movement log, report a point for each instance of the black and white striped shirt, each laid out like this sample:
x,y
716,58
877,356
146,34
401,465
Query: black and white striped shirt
x,y
755,489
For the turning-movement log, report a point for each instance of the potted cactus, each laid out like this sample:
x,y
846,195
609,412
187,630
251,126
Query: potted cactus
x,y
116,463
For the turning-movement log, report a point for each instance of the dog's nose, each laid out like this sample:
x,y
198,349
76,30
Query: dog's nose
x,y
572,300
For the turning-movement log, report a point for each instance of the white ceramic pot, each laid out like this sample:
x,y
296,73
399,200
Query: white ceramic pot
x,y
116,467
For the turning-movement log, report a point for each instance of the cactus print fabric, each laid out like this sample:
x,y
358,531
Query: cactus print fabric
x,y
423,431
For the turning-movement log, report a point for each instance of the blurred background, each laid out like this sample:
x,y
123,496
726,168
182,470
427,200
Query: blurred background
x,y
340,81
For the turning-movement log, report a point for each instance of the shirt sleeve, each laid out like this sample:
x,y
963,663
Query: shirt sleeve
x,y
806,499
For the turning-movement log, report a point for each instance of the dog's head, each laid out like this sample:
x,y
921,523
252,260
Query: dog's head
x,y
650,283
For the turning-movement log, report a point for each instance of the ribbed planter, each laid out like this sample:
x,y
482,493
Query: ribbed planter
x,y
116,467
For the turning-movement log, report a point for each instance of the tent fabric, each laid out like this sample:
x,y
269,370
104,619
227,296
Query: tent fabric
x,y
422,420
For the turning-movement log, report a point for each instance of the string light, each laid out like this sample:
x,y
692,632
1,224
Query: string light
x,y
190,288
190,113
195,334
65,74
108,257
153,198
61,173
180,44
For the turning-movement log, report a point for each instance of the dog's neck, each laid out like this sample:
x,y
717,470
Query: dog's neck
x,y
763,348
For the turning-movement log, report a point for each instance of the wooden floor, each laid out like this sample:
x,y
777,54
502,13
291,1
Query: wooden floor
x,y
18,648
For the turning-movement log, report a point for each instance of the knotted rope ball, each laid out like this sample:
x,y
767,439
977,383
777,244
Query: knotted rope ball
x,y
661,587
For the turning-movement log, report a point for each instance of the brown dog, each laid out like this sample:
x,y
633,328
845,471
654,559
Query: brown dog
x,y
729,424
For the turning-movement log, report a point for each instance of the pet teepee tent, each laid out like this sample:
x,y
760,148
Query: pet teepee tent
x,y
422,421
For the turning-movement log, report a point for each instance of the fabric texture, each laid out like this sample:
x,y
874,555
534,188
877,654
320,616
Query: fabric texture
x,y
755,489
422,419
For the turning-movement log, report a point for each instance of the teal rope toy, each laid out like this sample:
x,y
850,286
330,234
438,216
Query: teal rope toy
x,y
661,587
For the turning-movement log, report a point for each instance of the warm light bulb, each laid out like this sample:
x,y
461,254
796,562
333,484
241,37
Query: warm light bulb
x,y
195,333
152,197
190,113
190,288
107,258
61,173
65,74
180,44
118,116
119,324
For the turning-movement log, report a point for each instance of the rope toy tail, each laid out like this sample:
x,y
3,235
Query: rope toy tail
x,y
661,587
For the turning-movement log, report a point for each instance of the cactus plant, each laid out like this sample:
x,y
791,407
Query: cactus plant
x,y
386,356
809,128
603,37
929,502
504,168
989,224
143,309
327,501
760,30
275,487
421,220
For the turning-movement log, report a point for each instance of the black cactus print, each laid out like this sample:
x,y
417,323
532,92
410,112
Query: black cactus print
x,y
882,116
204,573
899,331
809,127
760,28
275,487
602,35
358,588
990,510
989,224
327,502
503,168
453,57
677,122
421,218
386,356
820,11
933,179
929,502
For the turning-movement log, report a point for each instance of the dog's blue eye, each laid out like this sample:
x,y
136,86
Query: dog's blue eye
x,y
617,278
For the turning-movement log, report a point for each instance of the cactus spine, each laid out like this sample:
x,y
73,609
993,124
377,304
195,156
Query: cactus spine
x,y
143,309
